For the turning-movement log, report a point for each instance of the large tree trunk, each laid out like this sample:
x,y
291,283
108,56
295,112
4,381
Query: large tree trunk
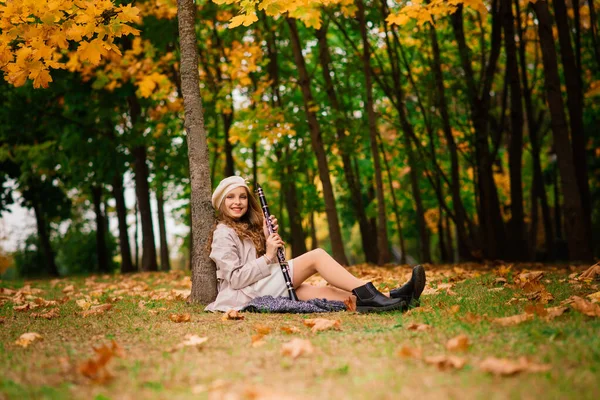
x,y
125,250
142,191
369,240
101,252
382,236
574,214
490,218
575,106
204,278
337,244
515,153
44,237
165,263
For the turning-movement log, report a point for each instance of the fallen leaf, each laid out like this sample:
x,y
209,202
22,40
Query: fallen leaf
x,y
594,297
350,303
512,320
257,340
471,318
27,338
536,309
290,329
2,320
503,366
592,272
95,368
180,317
458,343
68,289
296,348
500,281
413,326
262,329
26,307
585,307
322,324
407,351
53,313
97,310
454,309
444,362
232,315
191,341
554,312
496,289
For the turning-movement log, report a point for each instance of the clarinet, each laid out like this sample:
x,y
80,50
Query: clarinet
x,y
280,252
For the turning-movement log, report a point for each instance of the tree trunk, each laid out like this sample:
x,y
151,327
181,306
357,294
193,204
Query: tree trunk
x,y
44,237
313,232
575,106
142,191
574,213
101,253
125,250
515,156
229,163
382,236
136,236
204,278
337,244
369,240
165,263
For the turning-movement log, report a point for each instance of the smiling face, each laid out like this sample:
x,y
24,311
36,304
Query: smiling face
x,y
236,203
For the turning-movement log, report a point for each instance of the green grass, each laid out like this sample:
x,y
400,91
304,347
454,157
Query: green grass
x,y
360,361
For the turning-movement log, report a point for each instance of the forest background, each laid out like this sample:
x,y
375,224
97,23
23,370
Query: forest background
x,y
438,131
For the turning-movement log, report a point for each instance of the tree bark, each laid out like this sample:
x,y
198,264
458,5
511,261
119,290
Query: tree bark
x,y
142,191
136,236
337,244
383,246
44,237
204,278
515,156
369,240
101,252
165,263
229,163
125,250
574,214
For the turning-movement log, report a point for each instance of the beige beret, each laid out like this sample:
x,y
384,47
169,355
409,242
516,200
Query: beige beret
x,y
226,186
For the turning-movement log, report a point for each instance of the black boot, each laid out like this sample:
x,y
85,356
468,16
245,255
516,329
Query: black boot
x,y
411,291
369,299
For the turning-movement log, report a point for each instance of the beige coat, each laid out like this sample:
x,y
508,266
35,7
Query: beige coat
x,y
237,269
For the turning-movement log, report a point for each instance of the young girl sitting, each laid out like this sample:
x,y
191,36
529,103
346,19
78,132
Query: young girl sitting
x,y
247,267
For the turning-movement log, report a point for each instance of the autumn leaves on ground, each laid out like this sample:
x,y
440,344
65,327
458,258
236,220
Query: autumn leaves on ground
x,y
482,330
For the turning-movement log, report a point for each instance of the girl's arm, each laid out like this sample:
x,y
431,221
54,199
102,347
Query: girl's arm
x,y
226,255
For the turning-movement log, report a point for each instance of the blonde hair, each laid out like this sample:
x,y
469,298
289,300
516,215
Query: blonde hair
x,y
248,226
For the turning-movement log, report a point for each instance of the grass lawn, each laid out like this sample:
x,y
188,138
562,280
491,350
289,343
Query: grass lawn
x,y
388,356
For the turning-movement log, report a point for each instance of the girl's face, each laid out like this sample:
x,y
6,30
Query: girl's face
x,y
236,203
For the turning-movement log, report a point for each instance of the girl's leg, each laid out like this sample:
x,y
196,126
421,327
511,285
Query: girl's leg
x,y
307,292
319,261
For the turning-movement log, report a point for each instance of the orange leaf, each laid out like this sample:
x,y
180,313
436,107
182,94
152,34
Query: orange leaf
x,y
296,348
585,307
446,361
322,324
290,329
232,315
53,313
180,317
413,326
503,366
262,329
27,338
95,368
458,343
513,320
407,351
350,303
97,310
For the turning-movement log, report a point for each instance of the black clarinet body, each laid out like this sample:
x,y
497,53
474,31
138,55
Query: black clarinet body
x,y
280,252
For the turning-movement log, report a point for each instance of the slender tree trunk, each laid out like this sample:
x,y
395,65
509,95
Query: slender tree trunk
x,y
515,156
335,234
117,189
313,232
165,263
229,163
136,236
369,240
101,253
44,237
382,236
575,217
575,106
204,279
142,191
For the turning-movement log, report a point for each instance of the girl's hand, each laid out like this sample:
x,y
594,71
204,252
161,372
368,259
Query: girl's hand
x,y
273,222
274,242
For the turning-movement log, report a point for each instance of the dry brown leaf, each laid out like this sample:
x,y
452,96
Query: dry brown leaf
x,y
290,329
26,307
262,329
350,303
503,366
2,320
586,307
53,313
458,343
592,272
296,348
68,289
554,312
27,338
97,310
471,318
191,341
504,270
530,278
407,351
83,304
257,340
444,362
594,297
454,309
512,320
322,324
185,317
536,309
95,368
500,281
232,315
414,326
496,289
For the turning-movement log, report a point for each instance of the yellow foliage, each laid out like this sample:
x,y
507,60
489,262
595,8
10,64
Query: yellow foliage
x,y
423,13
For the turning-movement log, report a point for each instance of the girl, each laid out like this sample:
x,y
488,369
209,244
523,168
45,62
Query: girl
x,y
247,267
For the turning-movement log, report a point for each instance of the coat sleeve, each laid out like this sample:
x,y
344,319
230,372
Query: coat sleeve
x,y
225,253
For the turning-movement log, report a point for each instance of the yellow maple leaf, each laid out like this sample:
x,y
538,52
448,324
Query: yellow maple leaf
x,y
128,13
244,19
91,51
398,19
